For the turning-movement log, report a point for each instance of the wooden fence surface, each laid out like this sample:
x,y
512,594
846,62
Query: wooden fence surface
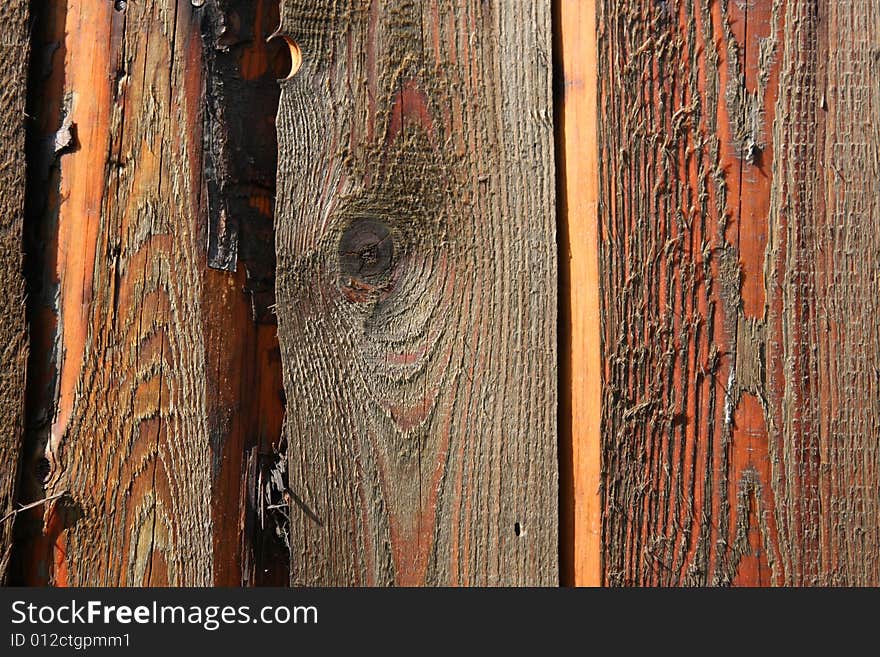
x,y
422,292
417,333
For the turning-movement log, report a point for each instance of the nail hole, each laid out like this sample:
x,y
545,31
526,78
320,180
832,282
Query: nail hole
x,y
295,55
119,5
517,529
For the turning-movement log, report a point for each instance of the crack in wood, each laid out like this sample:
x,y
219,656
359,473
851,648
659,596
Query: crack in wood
x,y
240,148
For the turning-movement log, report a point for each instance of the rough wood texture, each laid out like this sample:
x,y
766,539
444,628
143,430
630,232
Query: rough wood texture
x,y
14,48
823,255
739,250
157,403
241,102
415,295
128,440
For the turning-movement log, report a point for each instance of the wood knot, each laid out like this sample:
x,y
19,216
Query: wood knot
x,y
366,258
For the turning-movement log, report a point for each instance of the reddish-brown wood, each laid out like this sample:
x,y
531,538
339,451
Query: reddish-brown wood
x,y
156,390
718,207
738,212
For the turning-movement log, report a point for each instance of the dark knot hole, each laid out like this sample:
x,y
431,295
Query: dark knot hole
x,y
366,250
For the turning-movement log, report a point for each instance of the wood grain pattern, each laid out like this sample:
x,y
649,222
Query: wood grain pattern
x,y
14,49
822,342
580,328
213,387
415,295
738,242
128,441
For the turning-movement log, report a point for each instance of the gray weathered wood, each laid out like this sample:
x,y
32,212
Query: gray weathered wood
x,y
416,293
13,357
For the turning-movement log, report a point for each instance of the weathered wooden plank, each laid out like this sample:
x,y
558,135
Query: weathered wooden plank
x,y
669,277
823,254
128,441
234,414
416,293
738,247
14,49
580,328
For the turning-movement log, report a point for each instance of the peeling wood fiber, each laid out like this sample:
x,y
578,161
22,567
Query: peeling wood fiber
x,y
14,50
738,251
416,293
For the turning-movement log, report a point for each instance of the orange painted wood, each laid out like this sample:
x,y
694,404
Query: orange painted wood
x,y
684,97
580,355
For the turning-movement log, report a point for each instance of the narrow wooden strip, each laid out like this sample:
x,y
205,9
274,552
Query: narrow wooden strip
x,y
14,49
48,139
244,393
580,344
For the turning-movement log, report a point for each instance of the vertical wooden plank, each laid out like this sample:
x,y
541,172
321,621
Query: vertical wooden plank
x,y
14,49
796,213
128,444
669,98
580,347
416,293
737,233
110,81
848,288
823,347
